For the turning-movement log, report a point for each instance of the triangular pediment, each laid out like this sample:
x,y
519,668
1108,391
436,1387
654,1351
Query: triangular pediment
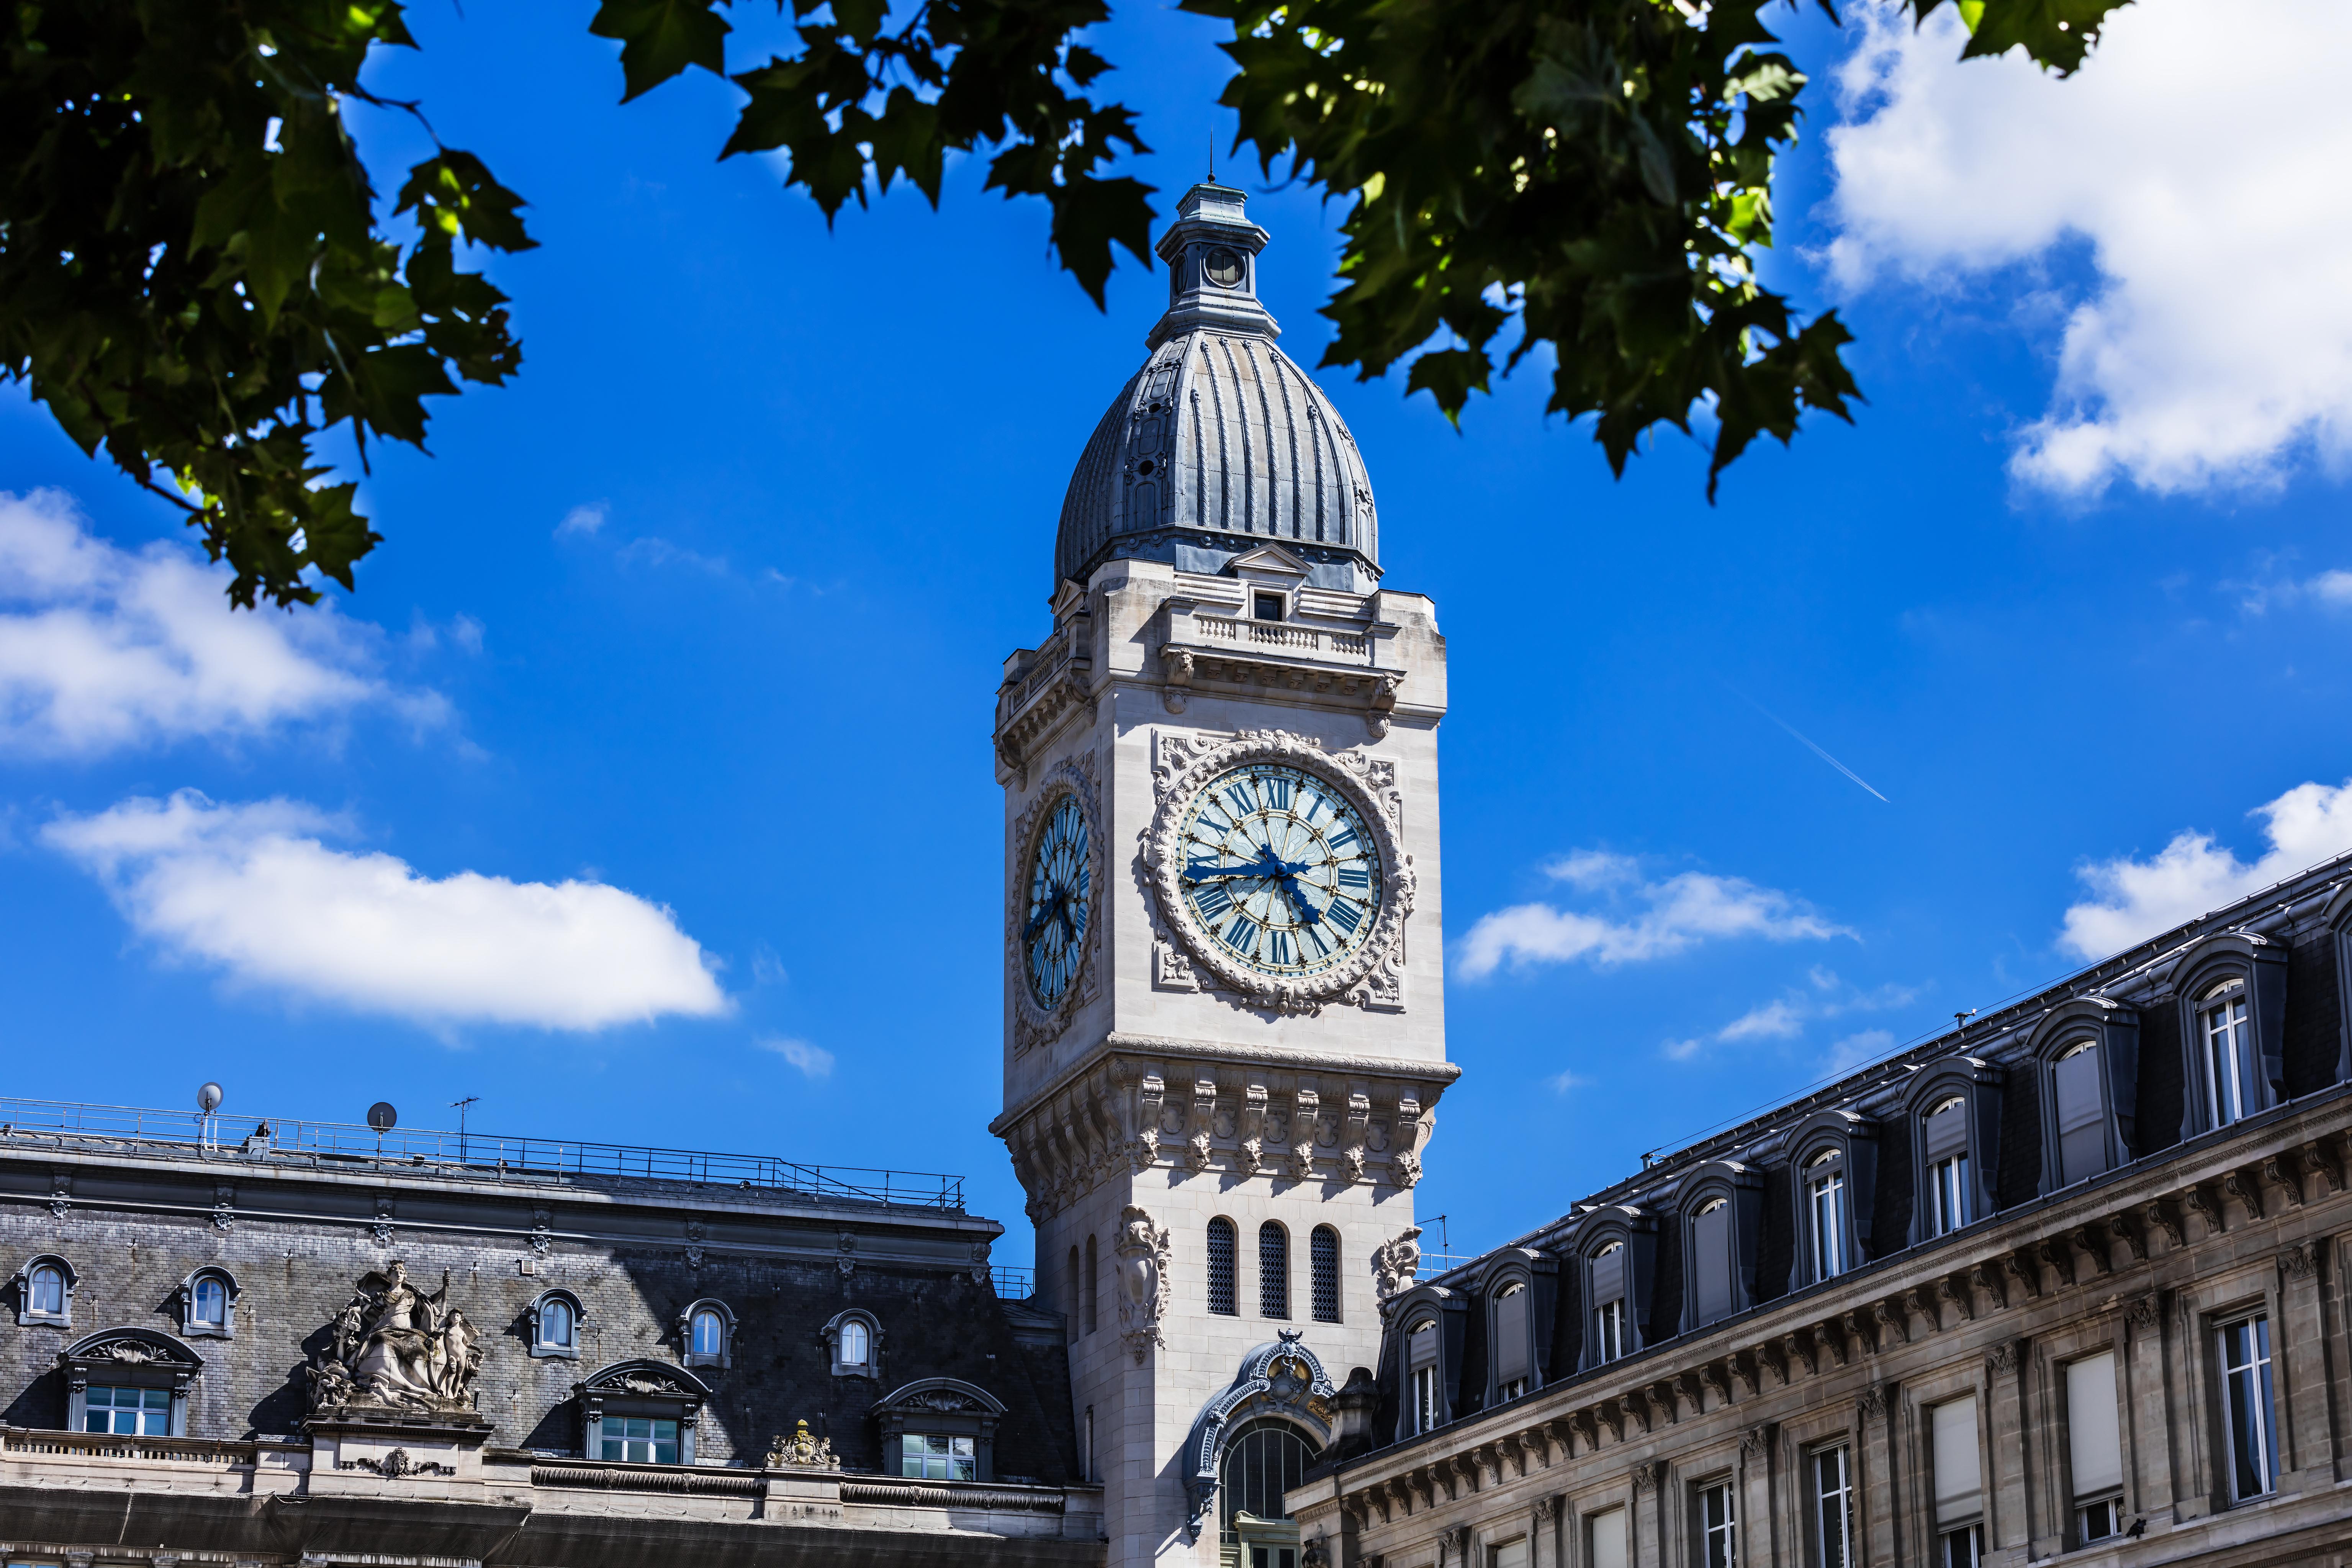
x,y
1268,562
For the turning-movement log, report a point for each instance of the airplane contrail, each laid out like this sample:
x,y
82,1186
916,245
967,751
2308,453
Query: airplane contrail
x,y
1806,739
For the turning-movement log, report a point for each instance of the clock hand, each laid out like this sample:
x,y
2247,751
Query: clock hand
x,y
1046,915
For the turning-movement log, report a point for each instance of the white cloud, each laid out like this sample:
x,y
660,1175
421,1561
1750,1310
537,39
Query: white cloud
x,y
1785,1017
2132,901
581,520
815,1061
1646,920
2331,588
252,890
2195,153
1561,1082
103,649
1856,1049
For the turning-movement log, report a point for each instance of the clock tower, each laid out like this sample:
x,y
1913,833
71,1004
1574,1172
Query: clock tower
x,y
1225,1026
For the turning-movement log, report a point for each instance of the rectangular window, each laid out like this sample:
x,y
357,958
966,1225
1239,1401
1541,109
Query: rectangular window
x,y
1718,1529
1424,1399
1266,606
1960,1471
931,1458
1608,1331
1829,1225
2225,1057
641,1439
128,1411
1711,1256
1512,1342
2095,1445
1961,1548
1948,1183
1087,1288
1510,1555
2082,1114
1604,1539
1832,1477
2247,1407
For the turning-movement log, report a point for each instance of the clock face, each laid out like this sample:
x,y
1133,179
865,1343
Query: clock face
x,y
1061,901
1279,868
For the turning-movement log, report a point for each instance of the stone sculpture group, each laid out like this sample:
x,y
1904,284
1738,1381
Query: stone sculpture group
x,y
395,1347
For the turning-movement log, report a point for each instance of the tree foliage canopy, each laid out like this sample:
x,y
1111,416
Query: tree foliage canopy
x,y
197,273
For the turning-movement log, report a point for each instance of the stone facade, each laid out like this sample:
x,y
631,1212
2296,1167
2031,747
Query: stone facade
x,y
260,1468
1745,1416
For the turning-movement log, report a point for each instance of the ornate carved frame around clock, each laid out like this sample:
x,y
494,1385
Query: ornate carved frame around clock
x,y
1033,1023
1374,974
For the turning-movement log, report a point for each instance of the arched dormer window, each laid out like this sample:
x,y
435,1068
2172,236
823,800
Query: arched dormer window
x,y
939,1429
1615,1249
1954,1110
44,1289
1833,1172
1517,1289
129,1381
2088,1053
207,1302
555,1322
2232,992
707,1328
855,1338
641,1413
1723,1206
1429,1357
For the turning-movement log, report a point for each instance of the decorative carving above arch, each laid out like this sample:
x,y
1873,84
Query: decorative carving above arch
x,y
1284,1380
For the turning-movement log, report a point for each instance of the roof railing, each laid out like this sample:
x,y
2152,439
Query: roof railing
x,y
477,1155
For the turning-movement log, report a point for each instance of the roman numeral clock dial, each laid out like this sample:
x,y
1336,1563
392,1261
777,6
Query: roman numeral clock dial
x,y
1279,869
1061,901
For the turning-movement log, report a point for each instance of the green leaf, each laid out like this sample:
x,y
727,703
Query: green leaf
x,y
1450,375
660,38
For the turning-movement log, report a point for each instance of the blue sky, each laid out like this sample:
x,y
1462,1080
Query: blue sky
x,y
704,615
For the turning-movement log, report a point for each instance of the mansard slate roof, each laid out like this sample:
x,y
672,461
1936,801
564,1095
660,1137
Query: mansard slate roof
x,y
2303,925
136,1217
1221,441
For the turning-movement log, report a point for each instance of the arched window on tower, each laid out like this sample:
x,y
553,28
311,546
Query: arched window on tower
x,y
1263,1460
1222,1242
1272,1271
1087,1288
1074,1286
1323,1260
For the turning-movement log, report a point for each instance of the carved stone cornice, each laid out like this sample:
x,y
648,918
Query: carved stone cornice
x,y
1437,1075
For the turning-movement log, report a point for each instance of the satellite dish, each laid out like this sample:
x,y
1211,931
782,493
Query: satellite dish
x,y
382,1116
208,1099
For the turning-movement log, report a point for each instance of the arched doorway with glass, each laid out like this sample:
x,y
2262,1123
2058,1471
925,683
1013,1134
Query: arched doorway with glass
x,y
1262,1459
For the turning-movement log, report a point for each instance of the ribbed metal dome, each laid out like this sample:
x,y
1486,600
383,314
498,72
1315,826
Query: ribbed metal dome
x,y
1220,442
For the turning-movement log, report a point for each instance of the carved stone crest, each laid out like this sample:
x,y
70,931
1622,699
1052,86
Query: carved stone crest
x,y
1143,1254
396,1465
1372,976
394,1347
802,1451
1395,1262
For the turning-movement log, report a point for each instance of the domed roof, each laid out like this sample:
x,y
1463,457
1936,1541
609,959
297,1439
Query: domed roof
x,y
1220,443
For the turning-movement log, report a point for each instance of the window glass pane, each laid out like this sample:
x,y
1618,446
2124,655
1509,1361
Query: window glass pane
x,y
1511,1337
48,1291
1325,1261
2082,1116
709,1333
1829,1226
1959,1484
555,1323
128,1412
1833,1508
1222,1299
1272,1271
2093,1436
2248,1408
1604,1536
853,1343
212,1303
1711,1255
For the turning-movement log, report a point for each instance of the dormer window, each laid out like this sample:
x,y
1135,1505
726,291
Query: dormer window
x,y
1265,606
555,1323
1833,1180
2087,1052
1946,1130
2229,1073
45,1292
208,1304
856,1337
710,1335
1511,1342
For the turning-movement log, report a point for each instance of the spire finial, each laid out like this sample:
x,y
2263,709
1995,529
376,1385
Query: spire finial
x,y
1212,154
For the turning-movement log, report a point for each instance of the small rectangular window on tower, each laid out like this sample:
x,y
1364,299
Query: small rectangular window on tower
x,y
1268,606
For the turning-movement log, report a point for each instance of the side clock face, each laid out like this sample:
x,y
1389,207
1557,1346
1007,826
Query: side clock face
x,y
1279,869
1061,901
